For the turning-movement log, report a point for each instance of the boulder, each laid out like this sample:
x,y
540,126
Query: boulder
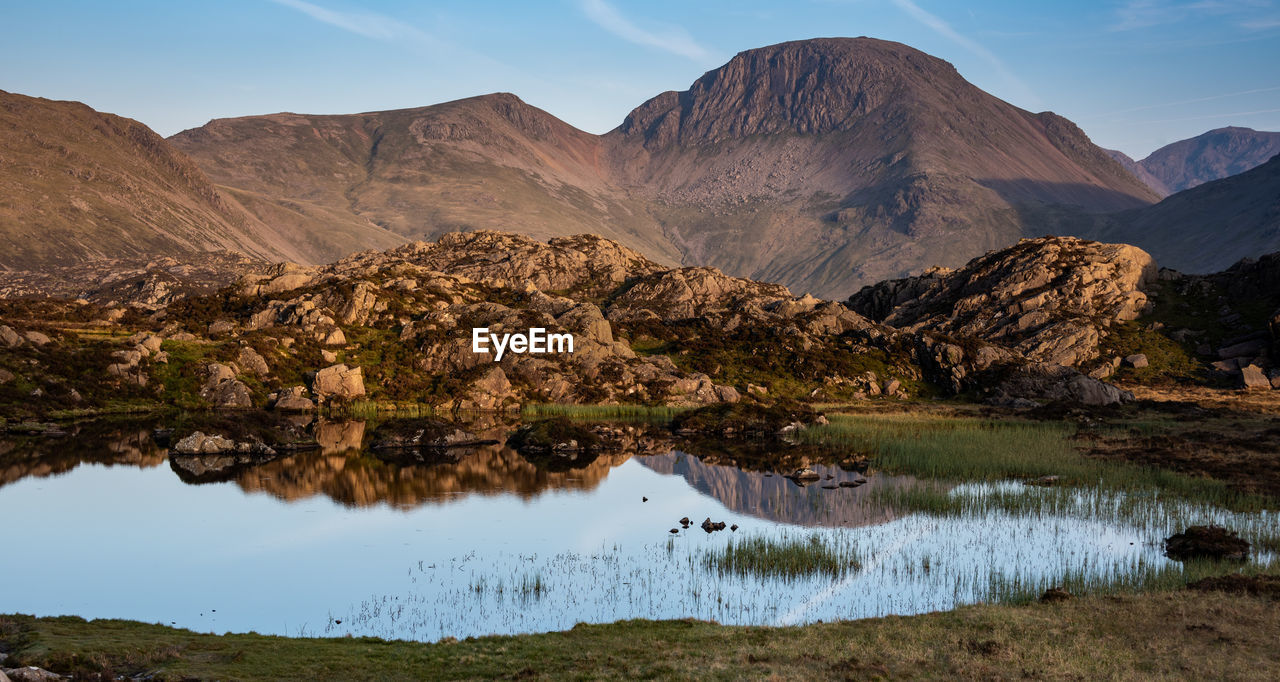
x,y
198,443
491,391
9,337
294,399
334,337
231,393
31,674
6,376
1055,383
1253,378
252,362
37,338
1136,361
338,381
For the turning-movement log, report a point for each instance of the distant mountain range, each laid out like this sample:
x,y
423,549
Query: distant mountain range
x,y
1212,156
823,164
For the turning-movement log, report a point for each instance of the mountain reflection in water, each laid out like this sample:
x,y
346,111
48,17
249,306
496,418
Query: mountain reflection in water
x,y
777,498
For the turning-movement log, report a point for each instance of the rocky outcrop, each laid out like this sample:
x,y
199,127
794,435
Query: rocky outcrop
x,y
1051,299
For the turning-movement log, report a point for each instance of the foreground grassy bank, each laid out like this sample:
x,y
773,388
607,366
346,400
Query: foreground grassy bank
x,y
1178,635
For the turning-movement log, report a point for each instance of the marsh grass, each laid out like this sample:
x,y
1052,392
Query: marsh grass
x,y
961,449
1140,579
787,557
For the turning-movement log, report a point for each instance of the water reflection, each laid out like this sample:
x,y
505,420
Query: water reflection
x,y
425,544
776,498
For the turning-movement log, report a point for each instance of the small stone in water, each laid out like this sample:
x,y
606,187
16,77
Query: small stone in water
x,y
675,530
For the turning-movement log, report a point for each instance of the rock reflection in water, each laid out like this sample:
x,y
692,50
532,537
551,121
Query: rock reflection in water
x,y
128,444
361,480
777,498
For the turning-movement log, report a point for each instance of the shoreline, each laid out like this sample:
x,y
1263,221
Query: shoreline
x,y
1180,634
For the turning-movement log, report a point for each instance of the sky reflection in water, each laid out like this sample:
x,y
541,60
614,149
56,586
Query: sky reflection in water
x,y
491,545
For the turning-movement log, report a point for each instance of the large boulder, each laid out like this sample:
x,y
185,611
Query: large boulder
x,y
338,381
1044,382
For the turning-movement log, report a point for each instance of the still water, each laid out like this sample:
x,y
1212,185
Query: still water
x,y
338,541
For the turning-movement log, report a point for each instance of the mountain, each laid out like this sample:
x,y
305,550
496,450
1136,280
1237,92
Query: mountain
x,y
1214,155
1208,227
832,162
77,184
489,161
823,164
1140,172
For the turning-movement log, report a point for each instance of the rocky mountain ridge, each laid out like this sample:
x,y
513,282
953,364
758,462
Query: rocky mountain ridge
x,y
826,163
396,327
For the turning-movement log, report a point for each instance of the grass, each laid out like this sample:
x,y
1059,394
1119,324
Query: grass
x,y
786,557
1176,635
963,449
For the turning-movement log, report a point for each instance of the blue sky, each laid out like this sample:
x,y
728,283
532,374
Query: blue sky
x,y
1135,74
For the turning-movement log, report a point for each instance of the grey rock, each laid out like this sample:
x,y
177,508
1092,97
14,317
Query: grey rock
x,y
200,444
1137,361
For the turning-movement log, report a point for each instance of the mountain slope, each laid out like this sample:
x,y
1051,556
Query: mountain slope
x,y
1209,227
484,162
1214,155
1140,172
823,164
77,184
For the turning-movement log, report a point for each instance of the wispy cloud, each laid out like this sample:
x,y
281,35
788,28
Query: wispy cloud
x,y
1134,15
1210,117
936,23
669,39
367,24
1196,100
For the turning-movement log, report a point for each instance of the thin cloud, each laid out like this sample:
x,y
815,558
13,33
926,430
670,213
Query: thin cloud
x,y
1181,102
674,40
1210,117
935,23
1136,15
367,24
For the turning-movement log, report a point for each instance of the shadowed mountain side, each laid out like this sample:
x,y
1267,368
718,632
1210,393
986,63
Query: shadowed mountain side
x,y
1209,227
776,498
1140,172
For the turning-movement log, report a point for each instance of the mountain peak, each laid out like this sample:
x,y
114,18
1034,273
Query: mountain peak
x,y
804,87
